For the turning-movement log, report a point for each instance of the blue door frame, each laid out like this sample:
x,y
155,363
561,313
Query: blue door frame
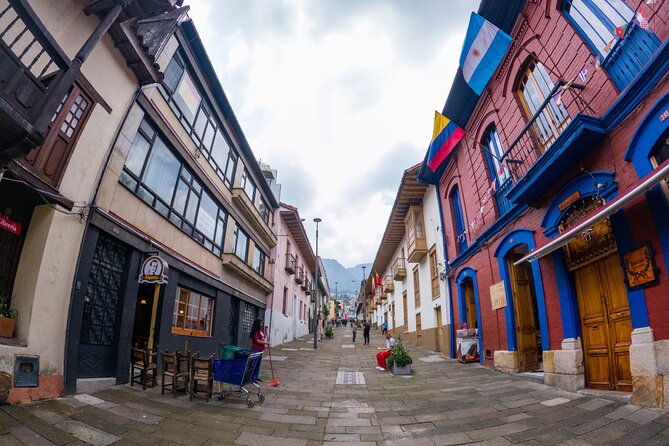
x,y
465,273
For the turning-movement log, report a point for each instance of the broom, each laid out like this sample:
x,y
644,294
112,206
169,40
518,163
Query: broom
x,y
273,382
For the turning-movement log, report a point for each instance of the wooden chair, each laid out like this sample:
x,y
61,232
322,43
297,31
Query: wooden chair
x,y
145,361
201,373
174,370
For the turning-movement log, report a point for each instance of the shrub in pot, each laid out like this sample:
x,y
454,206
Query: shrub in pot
x,y
400,360
328,332
7,317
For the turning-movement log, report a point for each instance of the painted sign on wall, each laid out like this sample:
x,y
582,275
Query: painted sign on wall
x,y
9,225
497,295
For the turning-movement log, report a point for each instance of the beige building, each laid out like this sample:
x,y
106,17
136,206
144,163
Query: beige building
x,y
70,71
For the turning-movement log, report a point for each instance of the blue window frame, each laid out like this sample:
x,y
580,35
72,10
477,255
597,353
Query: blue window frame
x,y
598,19
458,220
499,172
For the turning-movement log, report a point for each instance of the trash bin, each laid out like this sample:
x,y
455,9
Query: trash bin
x,y
242,353
228,351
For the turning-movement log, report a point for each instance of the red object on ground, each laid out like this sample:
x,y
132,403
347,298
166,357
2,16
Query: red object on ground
x,y
273,382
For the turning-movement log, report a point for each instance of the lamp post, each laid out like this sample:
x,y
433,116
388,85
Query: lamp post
x,y
316,220
364,296
336,303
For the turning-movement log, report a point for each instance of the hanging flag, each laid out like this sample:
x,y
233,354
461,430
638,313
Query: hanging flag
x,y
557,97
583,74
445,137
484,48
608,46
373,288
597,62
620,31
641,19
493,185
377,280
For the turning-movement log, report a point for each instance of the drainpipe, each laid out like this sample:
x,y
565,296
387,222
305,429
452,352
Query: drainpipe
x,y
446,271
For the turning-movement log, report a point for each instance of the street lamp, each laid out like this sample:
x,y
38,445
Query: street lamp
x,y
364,297
336,303
316,220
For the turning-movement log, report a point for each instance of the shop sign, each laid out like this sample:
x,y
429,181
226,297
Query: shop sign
x,y
154,270
497,295
569,200
664,116
640,270
11,226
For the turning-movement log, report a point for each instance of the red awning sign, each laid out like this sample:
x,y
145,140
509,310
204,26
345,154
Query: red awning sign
x,y
11,226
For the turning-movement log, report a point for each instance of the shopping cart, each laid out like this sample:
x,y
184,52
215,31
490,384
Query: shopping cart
x,y
238,373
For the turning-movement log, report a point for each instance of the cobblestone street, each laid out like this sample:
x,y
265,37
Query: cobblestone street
x,y
442,403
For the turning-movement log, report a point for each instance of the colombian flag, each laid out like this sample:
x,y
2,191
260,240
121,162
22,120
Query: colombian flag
x,y
445,136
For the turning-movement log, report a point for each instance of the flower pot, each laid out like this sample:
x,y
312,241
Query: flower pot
x,y
7,327
404,370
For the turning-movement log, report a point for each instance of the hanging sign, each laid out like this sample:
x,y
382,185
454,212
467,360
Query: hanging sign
x,y
640,270
497,295
11,226
569,201
154,270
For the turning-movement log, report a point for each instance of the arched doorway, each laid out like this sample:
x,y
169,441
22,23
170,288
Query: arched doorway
x,y
525,308
606,323
470,303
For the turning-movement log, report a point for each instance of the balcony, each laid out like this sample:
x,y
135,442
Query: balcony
x,y
399,268
245,270
32,78
546,148
630,54
299,275
244,203
291,263
414,229
388,284
306,284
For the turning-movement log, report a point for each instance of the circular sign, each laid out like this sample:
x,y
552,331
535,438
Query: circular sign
x,y
154,270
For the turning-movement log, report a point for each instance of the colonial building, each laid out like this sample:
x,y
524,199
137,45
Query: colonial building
x,y
555,203
409,293
294,265
69,73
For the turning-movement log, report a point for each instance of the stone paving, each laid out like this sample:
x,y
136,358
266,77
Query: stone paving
x,y
441,403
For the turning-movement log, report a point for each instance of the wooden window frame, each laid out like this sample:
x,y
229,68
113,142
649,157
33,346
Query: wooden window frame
x,y
434,271
416,287
406,310
182,330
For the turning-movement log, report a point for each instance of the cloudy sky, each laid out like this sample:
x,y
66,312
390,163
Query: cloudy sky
x,y
339,97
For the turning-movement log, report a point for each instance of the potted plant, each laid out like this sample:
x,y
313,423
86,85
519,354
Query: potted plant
x,y
7,317
399,359
329,332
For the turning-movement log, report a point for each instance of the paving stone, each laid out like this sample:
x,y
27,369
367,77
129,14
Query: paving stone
x,y
87,433
291,419
28,437
555,402
595,404
497,431
251,439
643,416
451,439
89,399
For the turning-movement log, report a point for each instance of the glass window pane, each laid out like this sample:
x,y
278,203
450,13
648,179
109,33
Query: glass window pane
x,y
200,122
128,181
241,248
162,171
173,73
230,170
138,150
180,197
220,150
220,228
193,203
206,217
187,98
208,136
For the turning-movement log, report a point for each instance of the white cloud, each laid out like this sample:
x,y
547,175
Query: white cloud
x,y
328,90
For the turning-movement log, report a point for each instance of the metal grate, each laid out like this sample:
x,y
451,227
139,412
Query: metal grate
x,y
346,377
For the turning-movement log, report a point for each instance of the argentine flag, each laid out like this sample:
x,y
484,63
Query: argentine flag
x,y
484,48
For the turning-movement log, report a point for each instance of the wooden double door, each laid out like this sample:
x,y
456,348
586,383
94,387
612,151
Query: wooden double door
x,y
606,324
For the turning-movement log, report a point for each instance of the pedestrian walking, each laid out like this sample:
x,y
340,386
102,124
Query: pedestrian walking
x,y
366,327
383,355
385,327
354,330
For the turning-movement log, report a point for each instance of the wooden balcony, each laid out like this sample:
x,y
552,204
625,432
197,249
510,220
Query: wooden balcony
x,y
388,284
399,268
291,263
299,275
245,270
415,231
32,78
306,285
244,204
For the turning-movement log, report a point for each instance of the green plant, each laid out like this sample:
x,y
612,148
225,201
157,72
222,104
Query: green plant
x,y
399,355
325,311
329,332
5,311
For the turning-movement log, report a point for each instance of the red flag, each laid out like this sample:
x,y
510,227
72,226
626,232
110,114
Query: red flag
x,y
377,281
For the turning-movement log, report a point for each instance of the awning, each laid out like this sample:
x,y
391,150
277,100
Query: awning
x,y
46,192
640,187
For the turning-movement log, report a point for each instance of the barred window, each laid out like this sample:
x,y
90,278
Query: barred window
x,y
249,315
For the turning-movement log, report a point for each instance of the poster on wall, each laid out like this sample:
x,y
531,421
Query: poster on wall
x,y
497,295
640,270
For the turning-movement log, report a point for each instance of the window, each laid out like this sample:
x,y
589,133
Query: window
x,y
192,313
198,120
434,271
285,301
534,87
458,220
162,181
494,152
248,186
406,311
597,20
259,261
250,313
264,210
50,159
416,287
241,244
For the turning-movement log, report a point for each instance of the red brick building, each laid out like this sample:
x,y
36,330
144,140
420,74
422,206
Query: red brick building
x,y
555,206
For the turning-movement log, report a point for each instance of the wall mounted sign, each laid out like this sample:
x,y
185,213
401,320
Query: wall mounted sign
x,y
569,200
640,270
664,116
497,295
9,225
154,270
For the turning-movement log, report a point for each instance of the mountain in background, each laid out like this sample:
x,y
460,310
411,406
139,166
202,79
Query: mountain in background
x,y
348,279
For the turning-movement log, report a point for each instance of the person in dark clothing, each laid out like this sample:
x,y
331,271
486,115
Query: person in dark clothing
x,y
366,327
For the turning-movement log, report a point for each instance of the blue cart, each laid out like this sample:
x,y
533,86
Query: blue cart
x,y
239,372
